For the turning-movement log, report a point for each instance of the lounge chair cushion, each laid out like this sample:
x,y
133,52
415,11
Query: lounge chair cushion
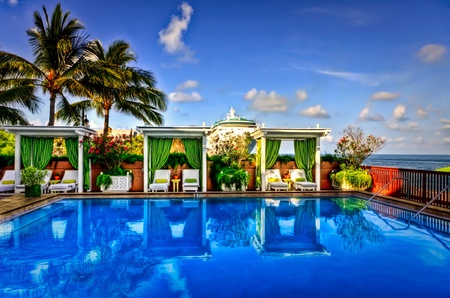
x,y
300,179
274,180
160,180
8,182
190,180
69,181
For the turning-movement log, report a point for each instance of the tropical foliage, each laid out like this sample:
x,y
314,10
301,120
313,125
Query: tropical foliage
x,y
354,147
32,176
114,85
7,143
231,147
233,178
357,179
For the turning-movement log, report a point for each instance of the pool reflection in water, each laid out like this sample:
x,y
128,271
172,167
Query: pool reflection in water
x,y
219,248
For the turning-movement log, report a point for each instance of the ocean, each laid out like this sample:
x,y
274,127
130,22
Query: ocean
x,y
428,162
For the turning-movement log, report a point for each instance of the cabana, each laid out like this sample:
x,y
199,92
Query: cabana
x,y
157,143
306,147
34,146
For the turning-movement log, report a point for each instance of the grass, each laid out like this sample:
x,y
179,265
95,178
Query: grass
x,y
446,169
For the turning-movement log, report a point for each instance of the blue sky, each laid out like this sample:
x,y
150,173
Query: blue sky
x,y
380,65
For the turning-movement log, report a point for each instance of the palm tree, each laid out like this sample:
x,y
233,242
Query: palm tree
x,y
116,86
58,51
11,102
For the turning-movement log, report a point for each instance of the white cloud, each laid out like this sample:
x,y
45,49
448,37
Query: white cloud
x,y
400,112
176,109
266,102
315,112
189,84
13,2
364,115
351,76
301,95
171,37
385,96
327,138
431,53
447,140
421,112
181,96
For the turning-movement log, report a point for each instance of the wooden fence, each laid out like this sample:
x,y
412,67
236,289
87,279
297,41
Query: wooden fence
x,y
423,185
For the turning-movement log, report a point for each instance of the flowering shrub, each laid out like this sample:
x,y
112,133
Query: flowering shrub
x,y
109,151
354,147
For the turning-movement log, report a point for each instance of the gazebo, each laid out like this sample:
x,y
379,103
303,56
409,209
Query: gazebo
x,y
157,143
34,146
306,147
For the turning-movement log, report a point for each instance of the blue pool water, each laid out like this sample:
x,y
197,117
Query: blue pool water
x,y
220,248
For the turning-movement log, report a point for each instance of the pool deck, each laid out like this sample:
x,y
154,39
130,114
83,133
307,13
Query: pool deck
x,y
13,205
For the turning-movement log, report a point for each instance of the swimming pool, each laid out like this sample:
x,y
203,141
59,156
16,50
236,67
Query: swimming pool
x,y
287,247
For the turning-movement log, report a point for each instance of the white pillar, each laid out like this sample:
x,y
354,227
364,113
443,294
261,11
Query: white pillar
x,y
204,165
17,159
80,164
145,169
317,162
263,163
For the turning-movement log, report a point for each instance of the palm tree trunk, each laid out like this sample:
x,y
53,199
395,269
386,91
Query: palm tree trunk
x,y
51,117
106,123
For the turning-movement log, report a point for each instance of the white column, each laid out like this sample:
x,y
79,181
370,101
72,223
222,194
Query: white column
x,y
145,169
204,165
80,164
17,159
263,163
317,162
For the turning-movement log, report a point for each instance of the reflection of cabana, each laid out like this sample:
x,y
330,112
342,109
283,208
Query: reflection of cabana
x,y
300,234
157,143
306,147
34,146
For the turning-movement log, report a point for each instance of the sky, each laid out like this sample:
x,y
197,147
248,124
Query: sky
x,y
383,66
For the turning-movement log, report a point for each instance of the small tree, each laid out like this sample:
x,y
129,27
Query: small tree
x,y
354,147
233,148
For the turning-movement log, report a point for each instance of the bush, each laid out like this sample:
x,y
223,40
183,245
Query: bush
x,y
351,179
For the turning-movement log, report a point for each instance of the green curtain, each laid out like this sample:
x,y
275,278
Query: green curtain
x,y
311,146
86,168
43,148
272,149
158,150
26,149
72,151
36,152
305,151
193,149
258,164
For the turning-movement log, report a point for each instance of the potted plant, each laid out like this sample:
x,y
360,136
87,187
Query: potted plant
x,y
175,161
57,176
32,178
104,181
231,178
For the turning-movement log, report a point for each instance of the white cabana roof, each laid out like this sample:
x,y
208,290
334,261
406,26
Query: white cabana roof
x,y
290,133
50,132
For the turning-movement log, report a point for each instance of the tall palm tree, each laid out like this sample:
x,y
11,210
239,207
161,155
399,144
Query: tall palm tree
x,y
58,50
116,86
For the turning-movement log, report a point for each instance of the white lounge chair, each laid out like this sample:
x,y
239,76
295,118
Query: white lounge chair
x,y
44,185
161,181
299,181
69,182
274,182
8,181
191,180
